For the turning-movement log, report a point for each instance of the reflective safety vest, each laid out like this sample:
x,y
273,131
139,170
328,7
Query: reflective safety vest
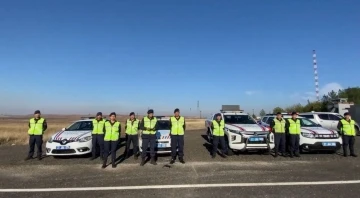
x,y
294,127
348,128
112,131
36,126
132,127
149,124
218,128
98,126
177,126
279,126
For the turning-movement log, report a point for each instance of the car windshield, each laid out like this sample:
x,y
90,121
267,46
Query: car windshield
x,y
307,123
80,126
238,119
163,124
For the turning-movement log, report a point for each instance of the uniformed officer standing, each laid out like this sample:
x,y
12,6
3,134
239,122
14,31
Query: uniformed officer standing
x,y
177,127
218,127
98,128
37,127
292,126
131,130
111,139
347,130
149,127
278,128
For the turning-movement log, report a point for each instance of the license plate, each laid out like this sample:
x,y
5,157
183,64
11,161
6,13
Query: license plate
x,y
329,144
62,147
256,139
161,145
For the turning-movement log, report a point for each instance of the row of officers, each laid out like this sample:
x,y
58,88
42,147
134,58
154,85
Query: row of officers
x,y
106,136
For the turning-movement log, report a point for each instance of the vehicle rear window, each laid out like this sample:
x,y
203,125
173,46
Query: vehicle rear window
x,y
269,120
308,116
324,116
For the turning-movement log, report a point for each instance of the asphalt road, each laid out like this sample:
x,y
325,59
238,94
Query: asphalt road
x,y
253,169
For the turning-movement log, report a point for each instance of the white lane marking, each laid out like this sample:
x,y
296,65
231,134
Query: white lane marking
x,y
182,186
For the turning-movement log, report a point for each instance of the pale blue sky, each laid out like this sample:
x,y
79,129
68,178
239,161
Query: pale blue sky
x,y
86,56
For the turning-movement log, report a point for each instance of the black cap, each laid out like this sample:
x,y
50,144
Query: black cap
x,y
98,114
345,114
218,114
132,113
176,110
293,113
37,112
112,113
150,111
278,113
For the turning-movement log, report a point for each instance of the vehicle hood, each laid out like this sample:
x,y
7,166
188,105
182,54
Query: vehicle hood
x,y
70,135
163,134
317,130
245,127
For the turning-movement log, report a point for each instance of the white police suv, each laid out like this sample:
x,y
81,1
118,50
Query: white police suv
x,y
313,136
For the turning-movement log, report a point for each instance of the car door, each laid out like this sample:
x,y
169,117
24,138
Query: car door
x,y
325,121
335,120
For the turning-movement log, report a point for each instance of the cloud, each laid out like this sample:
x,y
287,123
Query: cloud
x,y
334,86
250,93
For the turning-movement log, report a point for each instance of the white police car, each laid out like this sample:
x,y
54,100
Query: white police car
x,y
163,140
313,136
72,140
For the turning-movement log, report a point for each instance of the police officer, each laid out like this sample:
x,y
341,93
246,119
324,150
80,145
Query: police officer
x,y
149,127
278,128
292,126
131,130
177,127
37,127
218,127
111,139
347,129
98,128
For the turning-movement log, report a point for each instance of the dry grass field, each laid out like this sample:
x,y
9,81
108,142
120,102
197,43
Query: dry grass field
x,y
13,129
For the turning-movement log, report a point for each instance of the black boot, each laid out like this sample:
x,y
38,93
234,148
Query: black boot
x,y
28,158
153,162
142,162
172,161
181,160
353,155
345,153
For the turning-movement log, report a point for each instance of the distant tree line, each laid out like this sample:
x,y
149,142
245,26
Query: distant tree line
x,y
351,93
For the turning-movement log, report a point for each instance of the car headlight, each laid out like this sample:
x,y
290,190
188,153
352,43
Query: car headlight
x,y
85,139
50,140
308,135
232,131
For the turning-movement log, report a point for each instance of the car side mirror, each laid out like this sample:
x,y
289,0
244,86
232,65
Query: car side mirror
x,y
63,129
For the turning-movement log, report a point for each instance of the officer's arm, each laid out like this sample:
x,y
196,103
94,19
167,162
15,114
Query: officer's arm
x,y
29,125
287,125
44,125
170,125
184,124
125,125
142,125
272,124
119,128
104,129
339,125
92,126
156,126
212,126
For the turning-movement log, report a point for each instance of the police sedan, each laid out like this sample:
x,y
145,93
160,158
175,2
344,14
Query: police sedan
x,y
72,140
163,140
